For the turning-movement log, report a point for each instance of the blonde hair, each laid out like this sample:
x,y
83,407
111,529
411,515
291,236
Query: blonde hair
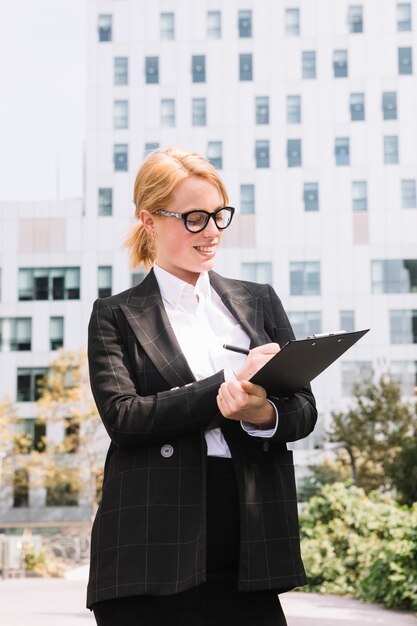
x,y
155,184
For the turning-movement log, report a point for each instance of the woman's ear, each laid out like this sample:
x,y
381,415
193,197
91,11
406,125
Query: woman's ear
x,y
148,222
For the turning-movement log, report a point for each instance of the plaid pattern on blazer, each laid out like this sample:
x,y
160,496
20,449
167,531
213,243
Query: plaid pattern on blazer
x,y
149,533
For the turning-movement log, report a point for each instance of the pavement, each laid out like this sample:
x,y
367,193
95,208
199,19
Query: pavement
x,y
61,602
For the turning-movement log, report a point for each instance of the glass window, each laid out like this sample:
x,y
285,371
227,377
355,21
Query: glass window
x,y
262,153
340,63
390,150
354,372
309,64
245,23
28,383
214,154
359,195
61,283
292,22
305,278
311,196
62,487
199,112
403,16
104,280
15,334
408,194
120,117
72,435
199,68
347,321
405,60
168,113
20,488
305,323
357,107
403,326
257,272
247,199
152,70
120,157
214,24
104,27
394,276
404,374
245,67
389,105
355,19
167,26
105,201
294,152
34,432
293,109
121,70
56,333
150,147
262,109
341,150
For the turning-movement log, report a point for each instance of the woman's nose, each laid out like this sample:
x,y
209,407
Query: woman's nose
x,y
211,228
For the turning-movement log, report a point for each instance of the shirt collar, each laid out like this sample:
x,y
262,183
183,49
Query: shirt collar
x,y
173,289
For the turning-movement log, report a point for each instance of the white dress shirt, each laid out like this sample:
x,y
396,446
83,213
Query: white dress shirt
x,y
202,324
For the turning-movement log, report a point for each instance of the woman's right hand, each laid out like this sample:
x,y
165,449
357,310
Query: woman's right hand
x,y
256,359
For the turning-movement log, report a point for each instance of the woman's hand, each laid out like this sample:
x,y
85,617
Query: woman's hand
x,y
242,400
256,359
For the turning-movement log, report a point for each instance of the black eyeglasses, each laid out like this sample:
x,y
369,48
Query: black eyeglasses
x,y
196,221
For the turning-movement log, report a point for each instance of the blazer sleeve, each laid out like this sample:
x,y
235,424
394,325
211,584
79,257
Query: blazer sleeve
x,y
297,414
132,420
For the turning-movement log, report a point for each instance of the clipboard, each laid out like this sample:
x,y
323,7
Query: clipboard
x,y
301,360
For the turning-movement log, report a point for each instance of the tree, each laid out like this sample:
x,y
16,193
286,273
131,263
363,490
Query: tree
x,y
402,471
10,441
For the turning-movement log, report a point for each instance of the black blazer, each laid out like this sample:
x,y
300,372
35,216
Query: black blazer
x,y
149,533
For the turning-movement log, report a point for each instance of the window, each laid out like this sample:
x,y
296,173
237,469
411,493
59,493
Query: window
x,y
56,333
403,16
389,105
167,113
359,195
72,435
28,383
391,150
167,26
245,23
120,157
294,152
15,334
62,487
214,24
262,109
245,67
199,112
404,373
257,272
105,201
214,154
33,433
305,278
292,22
405,60
347,321
355,19
357,107
341,151
104,281
262,153
247,199
137,277
309,64
354,372
121,70
150,147
20,488
403,326
305,323
198,67
152,70
104,27
46,283
394,276
293,109
311,196
408,194
340,63
120,119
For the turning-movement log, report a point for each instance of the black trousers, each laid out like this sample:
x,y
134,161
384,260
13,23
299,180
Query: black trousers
x,y
216,602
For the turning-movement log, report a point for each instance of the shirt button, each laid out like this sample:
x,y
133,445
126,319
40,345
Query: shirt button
x,y
167,451
265,446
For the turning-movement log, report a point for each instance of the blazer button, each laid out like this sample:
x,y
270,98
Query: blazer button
x,y
265,446
167,451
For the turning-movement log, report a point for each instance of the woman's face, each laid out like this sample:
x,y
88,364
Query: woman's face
x,y
178,251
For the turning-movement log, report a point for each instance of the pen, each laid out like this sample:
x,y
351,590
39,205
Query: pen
x,y
235,349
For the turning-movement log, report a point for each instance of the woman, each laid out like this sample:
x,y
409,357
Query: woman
x,y
198,519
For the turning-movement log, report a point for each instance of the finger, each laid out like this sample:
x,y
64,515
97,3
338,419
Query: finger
x,y
252,389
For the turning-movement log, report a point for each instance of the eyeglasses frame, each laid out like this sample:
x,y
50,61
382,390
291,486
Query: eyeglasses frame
x,y
184,217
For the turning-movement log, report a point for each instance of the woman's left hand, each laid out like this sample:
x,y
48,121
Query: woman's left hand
x,y
242,400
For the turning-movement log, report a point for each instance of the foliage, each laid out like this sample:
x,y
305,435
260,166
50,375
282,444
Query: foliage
x,y
42,562
403,471
361,545
325,473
